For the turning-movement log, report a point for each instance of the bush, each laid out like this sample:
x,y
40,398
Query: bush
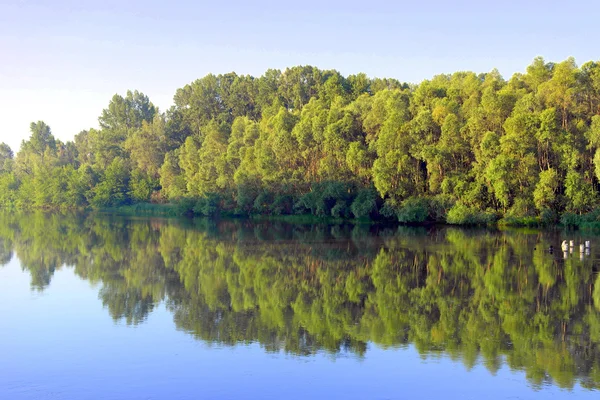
x,y
589,220
262,203
185,206
282,205
413,210
324,197
548,217
245,198
521,208
306,203
439,207
207,206
461,214
340,209
141,186
388,209
364,203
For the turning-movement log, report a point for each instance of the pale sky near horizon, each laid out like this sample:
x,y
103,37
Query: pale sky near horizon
x,y
61,61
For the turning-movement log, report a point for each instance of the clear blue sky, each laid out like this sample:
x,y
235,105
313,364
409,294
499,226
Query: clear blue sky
x,y
62,60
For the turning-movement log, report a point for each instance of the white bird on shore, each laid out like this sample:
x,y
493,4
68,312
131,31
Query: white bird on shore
x,y
564,246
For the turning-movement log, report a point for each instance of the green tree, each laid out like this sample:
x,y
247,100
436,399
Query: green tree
x,y
113,189
579,192
544,195
147,146
6,158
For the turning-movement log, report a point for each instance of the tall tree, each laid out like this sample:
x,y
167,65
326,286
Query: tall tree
x,y
6,158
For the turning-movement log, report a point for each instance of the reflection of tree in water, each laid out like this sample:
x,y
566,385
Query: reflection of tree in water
x,y
476,296
597,292
126,303
5,251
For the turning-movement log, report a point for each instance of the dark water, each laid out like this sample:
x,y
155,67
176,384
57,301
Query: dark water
x,y
104,307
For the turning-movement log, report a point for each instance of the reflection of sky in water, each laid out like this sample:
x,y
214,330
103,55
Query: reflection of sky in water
x,y
62,344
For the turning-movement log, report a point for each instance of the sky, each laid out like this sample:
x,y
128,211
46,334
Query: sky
x,y
61,61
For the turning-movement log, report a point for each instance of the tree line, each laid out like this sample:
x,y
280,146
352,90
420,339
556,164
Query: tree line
x,y
459,148
306,288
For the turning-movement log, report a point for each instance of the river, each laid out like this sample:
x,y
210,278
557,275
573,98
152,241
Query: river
x,y
107,307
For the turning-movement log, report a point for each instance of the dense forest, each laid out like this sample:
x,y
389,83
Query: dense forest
x,y
459,148
337,288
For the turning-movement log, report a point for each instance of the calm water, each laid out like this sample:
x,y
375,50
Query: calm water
x,y
104,307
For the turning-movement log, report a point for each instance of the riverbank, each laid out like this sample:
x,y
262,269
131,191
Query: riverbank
x,y
588,221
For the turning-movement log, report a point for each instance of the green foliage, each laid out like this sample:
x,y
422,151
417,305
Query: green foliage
x,y
579,192
6,158
364,204
590,220
327,199
313,142
185,206
172,181
262,202
207,205
544,195
282,204
439,207
461,214
413,210
113,190
548,217
8,189
522,207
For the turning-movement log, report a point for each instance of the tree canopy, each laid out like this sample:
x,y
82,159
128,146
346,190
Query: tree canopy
x,y
460,147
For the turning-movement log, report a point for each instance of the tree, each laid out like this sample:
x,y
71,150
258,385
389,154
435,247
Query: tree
x,y
147,146
6,158
213,174
41,138
544,195
113,189
172,181
538,73
579,193
474,147
123,117
560,90
127,113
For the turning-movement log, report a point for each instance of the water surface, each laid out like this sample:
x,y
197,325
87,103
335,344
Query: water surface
x,y
100,307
